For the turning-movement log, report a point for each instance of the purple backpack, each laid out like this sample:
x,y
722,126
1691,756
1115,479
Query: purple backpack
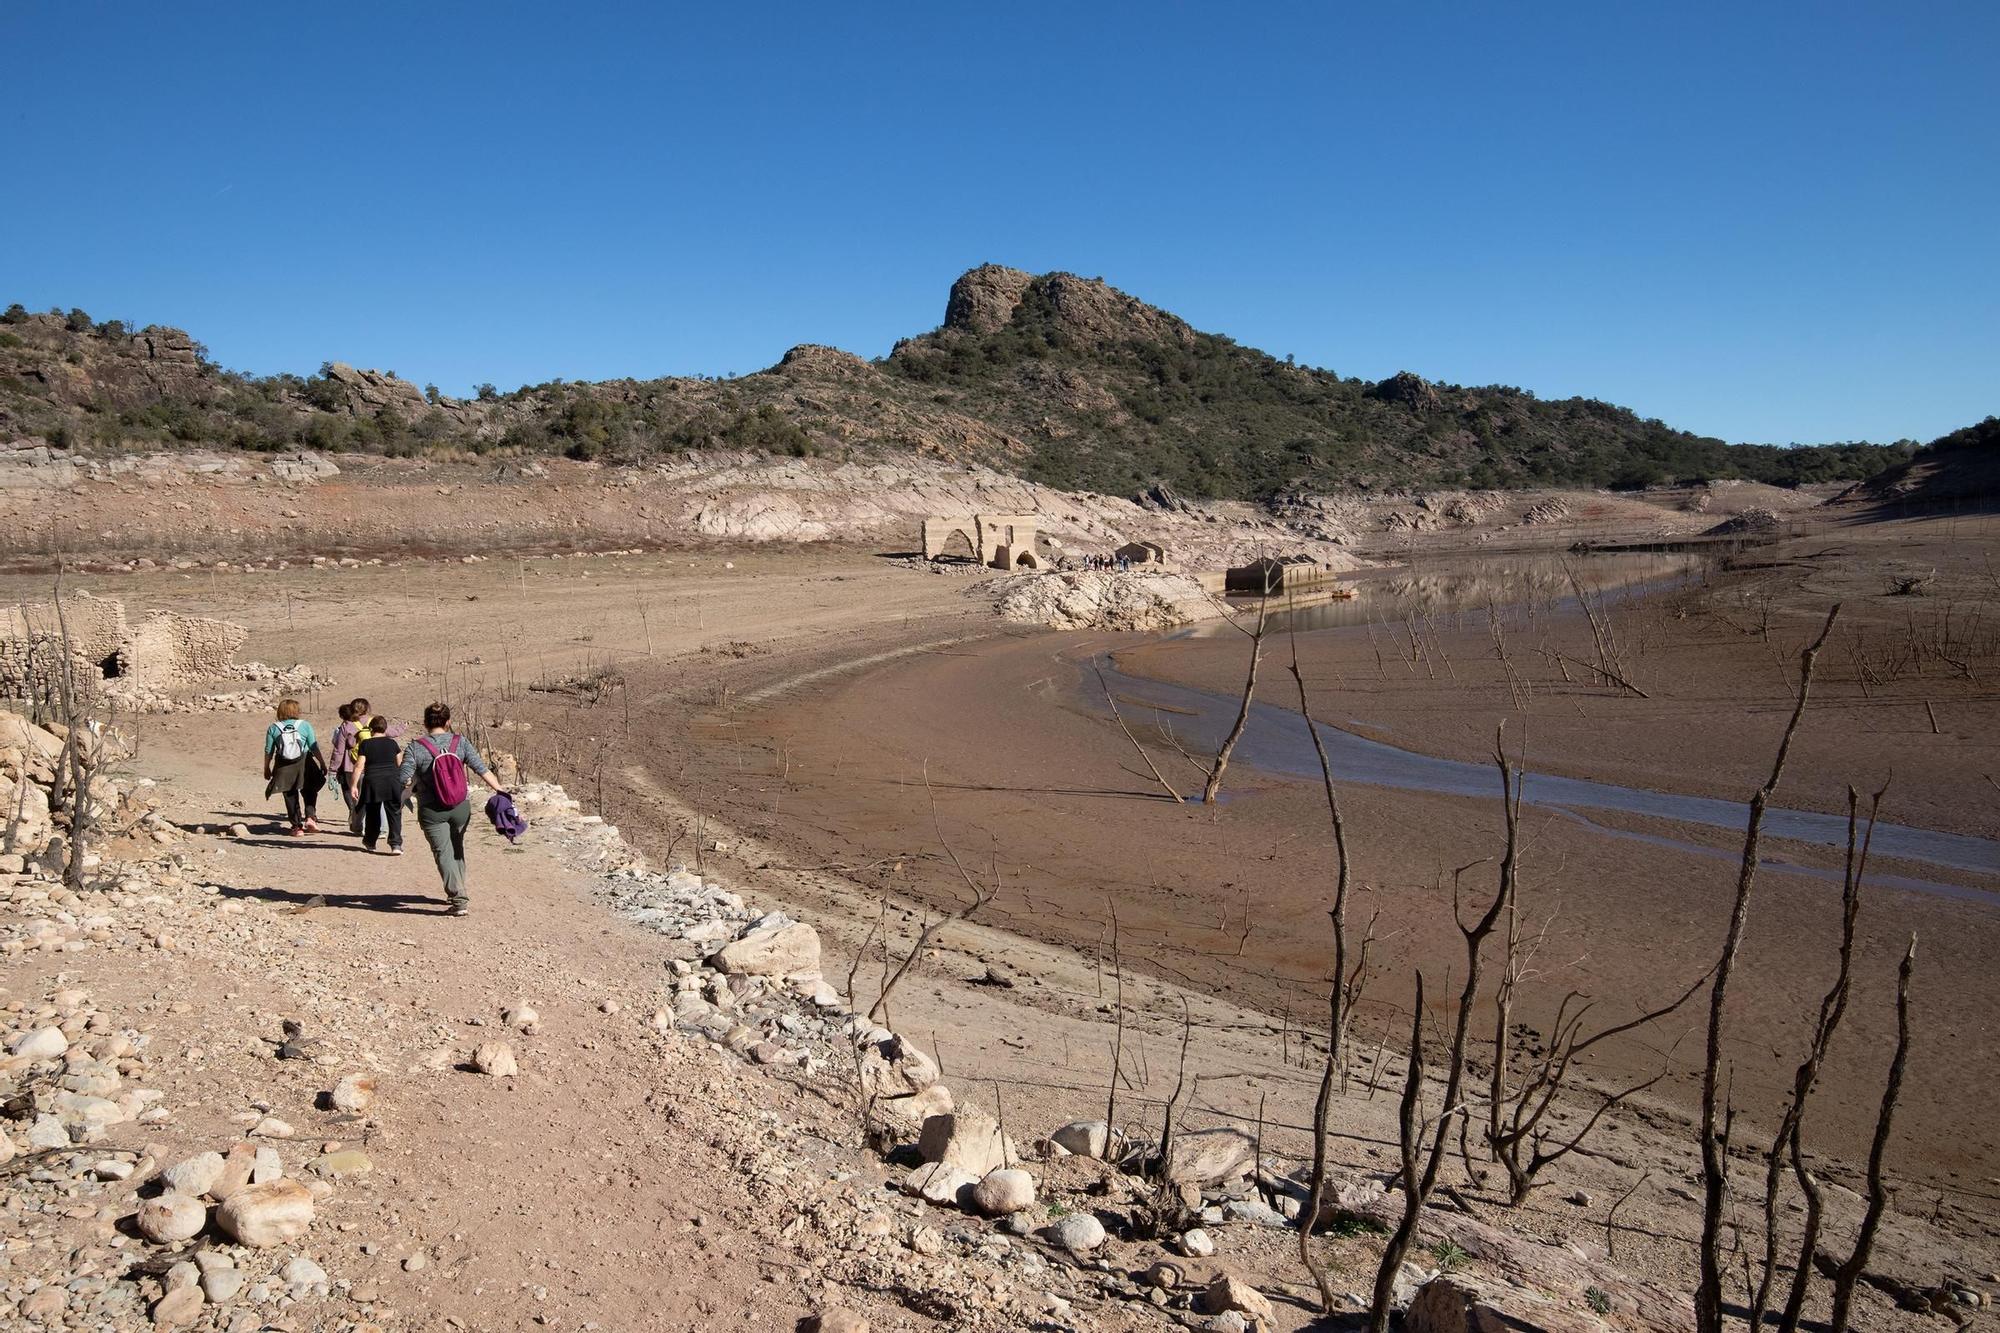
x,y
448,783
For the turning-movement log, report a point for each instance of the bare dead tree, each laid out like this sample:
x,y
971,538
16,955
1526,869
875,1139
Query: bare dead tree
x,y
1117,1034
1337,992
1515,1131
1430,1145
1786,1142
1120,719
979,896
1714,1149
1856,1263
75,757
1167,1211
1213,787
1515,1116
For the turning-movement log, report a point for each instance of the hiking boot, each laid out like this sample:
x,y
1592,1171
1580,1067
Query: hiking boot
x,y
312,826
298,832
460,909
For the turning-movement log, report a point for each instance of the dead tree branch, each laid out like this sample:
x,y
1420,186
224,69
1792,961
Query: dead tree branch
x,y
1714,1151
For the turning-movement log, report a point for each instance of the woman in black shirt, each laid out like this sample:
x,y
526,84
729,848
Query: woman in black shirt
x,y
377,788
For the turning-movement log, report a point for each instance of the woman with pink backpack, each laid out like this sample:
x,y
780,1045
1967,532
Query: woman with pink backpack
x,y
435,765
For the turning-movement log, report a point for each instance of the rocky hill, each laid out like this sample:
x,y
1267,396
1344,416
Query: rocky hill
x,y
1059,379
1959,470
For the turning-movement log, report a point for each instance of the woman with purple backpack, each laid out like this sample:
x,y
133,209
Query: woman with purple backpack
x,y
435,765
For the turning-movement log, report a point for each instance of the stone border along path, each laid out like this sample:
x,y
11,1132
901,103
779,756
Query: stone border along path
x,y
311,1045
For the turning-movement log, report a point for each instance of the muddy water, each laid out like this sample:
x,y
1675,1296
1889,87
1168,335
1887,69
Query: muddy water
x,y
1434,588
1276,739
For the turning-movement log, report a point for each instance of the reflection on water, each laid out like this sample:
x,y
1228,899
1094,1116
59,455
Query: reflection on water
x,y
1276,741
1433,588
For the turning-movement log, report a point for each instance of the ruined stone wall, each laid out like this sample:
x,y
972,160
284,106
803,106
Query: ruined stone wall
x,y
97,626
166,648
31,665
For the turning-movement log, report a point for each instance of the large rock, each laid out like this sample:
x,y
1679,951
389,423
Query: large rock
x,y
1085,1138
495,1058
901,1082
274,1213
1461,1304
770,951
40,1044
1079,1233
170,1218
1229,1292
1210,1155
1003,1192
353,1094
237,1169
194,1176
941,1184
966,1138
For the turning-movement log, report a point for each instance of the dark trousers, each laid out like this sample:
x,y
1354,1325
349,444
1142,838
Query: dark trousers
x,y
375,812
293,805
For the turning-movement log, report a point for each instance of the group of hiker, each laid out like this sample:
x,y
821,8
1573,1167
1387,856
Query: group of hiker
x,y
377,775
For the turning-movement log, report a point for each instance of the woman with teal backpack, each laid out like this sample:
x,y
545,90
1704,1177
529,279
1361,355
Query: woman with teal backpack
x,y
292,765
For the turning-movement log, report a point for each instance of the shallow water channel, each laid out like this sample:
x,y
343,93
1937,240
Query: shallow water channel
x,y
1276,739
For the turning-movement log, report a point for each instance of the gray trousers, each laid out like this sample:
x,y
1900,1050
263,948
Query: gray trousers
x,y
444,830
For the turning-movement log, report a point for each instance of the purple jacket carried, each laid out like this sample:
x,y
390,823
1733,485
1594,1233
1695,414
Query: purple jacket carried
x,y
507,821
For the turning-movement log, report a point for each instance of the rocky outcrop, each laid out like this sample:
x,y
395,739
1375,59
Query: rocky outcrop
x,y
1412,391
366,393
1130,601
983,299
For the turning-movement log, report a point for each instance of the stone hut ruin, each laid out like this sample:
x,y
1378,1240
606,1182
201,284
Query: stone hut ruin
x,y
1003,541
161,651
1142,555
1271,575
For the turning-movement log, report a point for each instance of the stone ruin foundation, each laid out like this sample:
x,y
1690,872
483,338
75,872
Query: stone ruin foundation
x,y
162,651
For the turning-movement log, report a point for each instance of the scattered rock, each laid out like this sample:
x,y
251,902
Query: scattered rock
x,y
771,951
182,1305
495,1058
839,1321
353,1094
1085,1138
269,1214
271,1127
171,1218
220,1285
1229,1292
1196,1244
194,1176
1210,1155
40,1044
966,1138
1003,1192
1079,1233
939,1183
521,1017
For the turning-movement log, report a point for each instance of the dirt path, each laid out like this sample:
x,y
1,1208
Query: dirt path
x,y
579,1193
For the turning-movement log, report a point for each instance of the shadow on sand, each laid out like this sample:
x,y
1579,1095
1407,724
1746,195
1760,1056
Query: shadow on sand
x,y
344,902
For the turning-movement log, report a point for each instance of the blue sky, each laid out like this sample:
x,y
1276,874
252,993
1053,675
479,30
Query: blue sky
x,y
1764,222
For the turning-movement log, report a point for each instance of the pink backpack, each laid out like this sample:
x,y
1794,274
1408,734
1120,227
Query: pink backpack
x,y
448,782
